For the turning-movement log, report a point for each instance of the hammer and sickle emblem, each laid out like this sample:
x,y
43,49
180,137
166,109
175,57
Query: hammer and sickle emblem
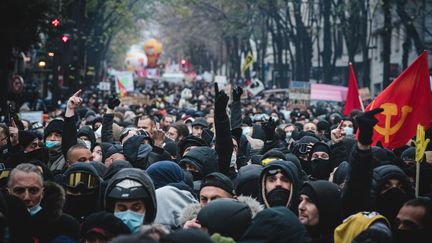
x,y
390,110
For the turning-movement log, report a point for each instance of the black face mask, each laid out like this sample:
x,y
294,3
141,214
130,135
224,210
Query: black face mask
x,y
80,206
278,197
196,175
320,169
389,203
306,166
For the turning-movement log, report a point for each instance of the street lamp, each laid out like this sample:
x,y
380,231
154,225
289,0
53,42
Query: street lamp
x,y
41,64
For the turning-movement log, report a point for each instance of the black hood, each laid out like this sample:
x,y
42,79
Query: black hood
x,y
204,159
136,152
291,172
247,182
141,177
88,132
276,225
187,142
383,173
327,198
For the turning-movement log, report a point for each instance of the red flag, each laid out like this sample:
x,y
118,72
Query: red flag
x,y
353,97
406,102
121,87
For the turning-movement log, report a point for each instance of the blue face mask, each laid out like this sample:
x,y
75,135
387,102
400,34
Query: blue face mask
x,y
51,144
130,218
348,130
246,130
34,210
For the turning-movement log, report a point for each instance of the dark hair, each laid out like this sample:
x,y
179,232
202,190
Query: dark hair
x,y
182,129
426,203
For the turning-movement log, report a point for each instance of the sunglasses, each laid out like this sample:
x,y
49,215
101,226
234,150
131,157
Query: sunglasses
x,y
32,190
81,179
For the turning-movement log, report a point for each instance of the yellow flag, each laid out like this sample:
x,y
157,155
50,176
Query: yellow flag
x,y
421,143
248,62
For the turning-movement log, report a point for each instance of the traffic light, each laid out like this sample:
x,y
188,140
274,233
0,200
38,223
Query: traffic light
x,y
183,62
55,22
65,38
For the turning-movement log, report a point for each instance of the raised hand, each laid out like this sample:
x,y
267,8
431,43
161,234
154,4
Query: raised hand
x,y
237,93
366,121
75,100
13,133
338,134
269,128
221,102
113,102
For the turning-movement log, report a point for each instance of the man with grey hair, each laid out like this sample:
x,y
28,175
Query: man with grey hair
x,y
47,223
26,182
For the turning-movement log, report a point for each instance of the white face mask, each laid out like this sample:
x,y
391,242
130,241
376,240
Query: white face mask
x,y
88,144
246,130
233,163
348,130
34,210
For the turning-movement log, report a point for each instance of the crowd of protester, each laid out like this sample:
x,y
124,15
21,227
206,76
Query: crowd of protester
x,y
200,165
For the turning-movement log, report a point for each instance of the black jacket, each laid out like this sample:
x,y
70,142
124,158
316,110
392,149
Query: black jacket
x,y
326,197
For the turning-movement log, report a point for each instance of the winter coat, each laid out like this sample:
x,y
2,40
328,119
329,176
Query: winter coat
x,y
51,222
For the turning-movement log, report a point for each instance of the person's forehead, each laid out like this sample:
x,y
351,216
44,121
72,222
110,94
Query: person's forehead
x,y
22,178
130,202
415,213
211,191
81,151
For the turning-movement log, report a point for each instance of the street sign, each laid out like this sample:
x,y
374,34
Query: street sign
x,y
105,86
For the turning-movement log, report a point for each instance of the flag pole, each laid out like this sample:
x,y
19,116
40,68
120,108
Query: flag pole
x,y
361,103
417,179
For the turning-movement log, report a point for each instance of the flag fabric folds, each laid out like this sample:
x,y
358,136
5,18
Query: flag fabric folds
x,y
407,101
353,97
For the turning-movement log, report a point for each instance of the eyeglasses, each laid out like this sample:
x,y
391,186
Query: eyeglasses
x,y
81,179
32,190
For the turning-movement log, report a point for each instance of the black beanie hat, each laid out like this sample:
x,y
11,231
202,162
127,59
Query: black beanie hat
x,y
309,191
219,180
55,125
25,138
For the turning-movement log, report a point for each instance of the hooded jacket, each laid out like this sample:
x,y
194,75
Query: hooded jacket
x,y
164,173
141,177
173,201
326,197
136,152
247,182
292,175
80,206
204,159
88,132
275,225
383,173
